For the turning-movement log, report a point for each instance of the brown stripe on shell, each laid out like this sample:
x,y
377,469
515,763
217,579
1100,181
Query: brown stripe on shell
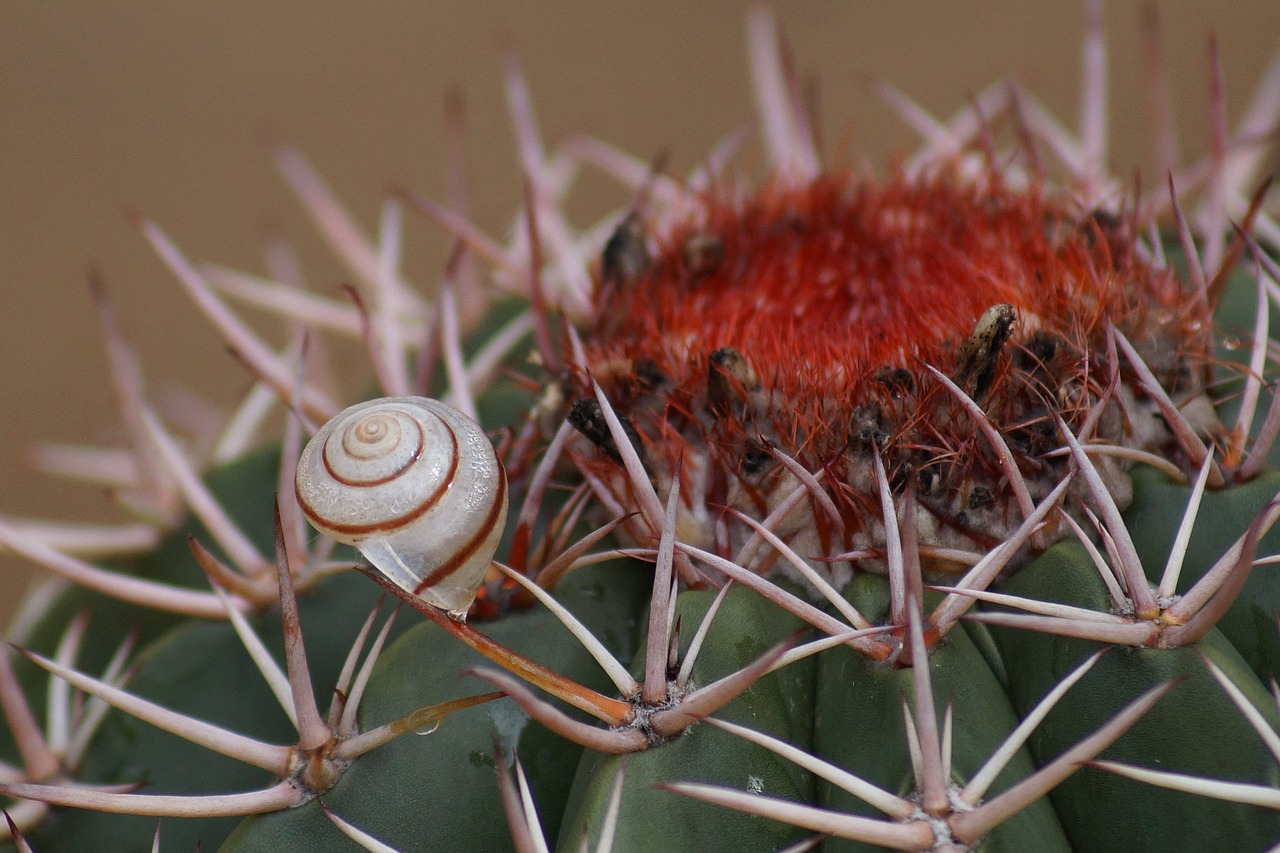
x,y
392,523
464,554
422,440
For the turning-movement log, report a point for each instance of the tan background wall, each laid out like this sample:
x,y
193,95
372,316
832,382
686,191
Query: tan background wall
x,y
164,107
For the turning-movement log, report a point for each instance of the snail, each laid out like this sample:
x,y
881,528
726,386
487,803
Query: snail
x,y
416,487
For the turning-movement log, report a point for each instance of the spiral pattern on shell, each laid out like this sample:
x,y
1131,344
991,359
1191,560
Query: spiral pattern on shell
x,y
414,485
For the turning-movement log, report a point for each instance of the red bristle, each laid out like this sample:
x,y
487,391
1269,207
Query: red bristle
x,y
819,287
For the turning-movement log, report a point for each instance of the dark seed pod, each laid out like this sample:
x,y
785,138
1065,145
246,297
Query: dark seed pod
x,y
730,380
1036,353
929,480
896,380
980,496
867,429
626,253
755,456
587,417
702,254
979,355
650,375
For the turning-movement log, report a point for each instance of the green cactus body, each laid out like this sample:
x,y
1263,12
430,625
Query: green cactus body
x,y
1198,732
763,585
780,703
855,689
388,785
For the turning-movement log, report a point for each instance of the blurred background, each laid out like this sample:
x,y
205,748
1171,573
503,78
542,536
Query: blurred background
x,y
170,108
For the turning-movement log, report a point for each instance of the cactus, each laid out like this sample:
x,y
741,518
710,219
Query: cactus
x,y
927,513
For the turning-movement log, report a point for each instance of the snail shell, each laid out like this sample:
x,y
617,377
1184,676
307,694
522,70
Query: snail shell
x,y
416,487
